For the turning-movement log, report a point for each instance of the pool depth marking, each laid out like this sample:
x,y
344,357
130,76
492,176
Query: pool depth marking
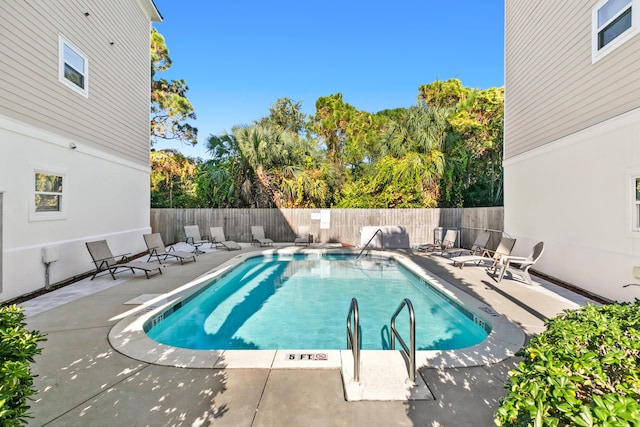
x,y
306,356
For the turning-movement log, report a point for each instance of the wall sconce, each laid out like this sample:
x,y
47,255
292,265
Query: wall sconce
x,y
86,12
72,145
111,42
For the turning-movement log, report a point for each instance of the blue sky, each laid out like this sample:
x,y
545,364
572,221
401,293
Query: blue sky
x,y
238,57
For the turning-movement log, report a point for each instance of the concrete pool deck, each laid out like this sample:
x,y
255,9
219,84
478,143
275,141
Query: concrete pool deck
x,y
82,380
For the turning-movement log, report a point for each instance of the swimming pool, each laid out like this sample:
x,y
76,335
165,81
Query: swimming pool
x,y
301,301
128,335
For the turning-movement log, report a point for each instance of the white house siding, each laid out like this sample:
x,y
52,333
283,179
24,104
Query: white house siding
x,y
106,185
119,78
575,195
552,89
572,142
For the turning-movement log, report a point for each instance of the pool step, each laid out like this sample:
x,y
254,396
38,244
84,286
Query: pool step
x,y
383,376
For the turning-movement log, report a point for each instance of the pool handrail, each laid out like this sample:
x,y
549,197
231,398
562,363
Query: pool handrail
x,y
353,337
410,352
365,246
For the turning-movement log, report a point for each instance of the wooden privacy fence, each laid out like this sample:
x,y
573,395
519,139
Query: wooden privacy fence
x,y
329,225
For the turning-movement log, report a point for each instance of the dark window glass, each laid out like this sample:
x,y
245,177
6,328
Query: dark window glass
x,y
614,29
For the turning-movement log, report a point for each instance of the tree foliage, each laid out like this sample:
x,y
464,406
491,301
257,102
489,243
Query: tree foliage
x,y
445,151
18,346
348,134
170,107
266,165
172,180
584,370
473,147
286,114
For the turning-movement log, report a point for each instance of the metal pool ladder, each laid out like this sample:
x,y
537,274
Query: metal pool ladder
x,y
353,337
410,352
365,246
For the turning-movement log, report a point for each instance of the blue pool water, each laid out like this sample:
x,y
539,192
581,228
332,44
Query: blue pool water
x,y
302,301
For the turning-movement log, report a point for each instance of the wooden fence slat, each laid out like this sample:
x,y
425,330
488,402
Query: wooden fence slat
x,y
345,224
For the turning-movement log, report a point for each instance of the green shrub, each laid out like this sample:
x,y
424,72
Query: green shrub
x,y
582,371
17,348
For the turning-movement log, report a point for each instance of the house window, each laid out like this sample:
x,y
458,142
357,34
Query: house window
x,y
48,192
613,23
74,67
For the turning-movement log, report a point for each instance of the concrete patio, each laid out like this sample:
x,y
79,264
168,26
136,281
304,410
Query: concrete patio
x,y
83,381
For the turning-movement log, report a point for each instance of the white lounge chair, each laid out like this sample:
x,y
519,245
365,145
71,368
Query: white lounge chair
x,y
479,245
449,241
302,237
157,249
105,261
218,239
258,237
491,257
516,265
194,238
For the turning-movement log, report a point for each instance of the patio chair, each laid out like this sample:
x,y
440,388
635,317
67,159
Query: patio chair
x,y
105,261
193,237
302,236
479,245
157,249
218,239
448,241
519,265
258,237
488,256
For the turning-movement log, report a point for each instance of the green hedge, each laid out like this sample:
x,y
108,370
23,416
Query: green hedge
x,y
582,371
17,348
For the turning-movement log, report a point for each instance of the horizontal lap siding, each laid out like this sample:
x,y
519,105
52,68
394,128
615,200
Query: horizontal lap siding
x,y
551,87
345,224
115,116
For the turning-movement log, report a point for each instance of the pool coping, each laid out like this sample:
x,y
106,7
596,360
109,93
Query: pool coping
x,y
128,337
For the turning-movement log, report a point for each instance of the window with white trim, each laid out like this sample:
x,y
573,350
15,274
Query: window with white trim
x,y
73,67
48,199
613,23
48,192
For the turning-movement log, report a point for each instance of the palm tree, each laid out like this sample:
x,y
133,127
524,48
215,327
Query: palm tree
x,y
418,129
413,159
264,148
227,176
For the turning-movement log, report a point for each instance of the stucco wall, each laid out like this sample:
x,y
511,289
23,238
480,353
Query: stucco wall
x,y
575,195
106,197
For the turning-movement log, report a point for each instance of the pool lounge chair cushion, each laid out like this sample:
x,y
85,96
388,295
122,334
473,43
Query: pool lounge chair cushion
x,y
479,245
258,237
218,239
194,238
157,249
105,261
491,257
